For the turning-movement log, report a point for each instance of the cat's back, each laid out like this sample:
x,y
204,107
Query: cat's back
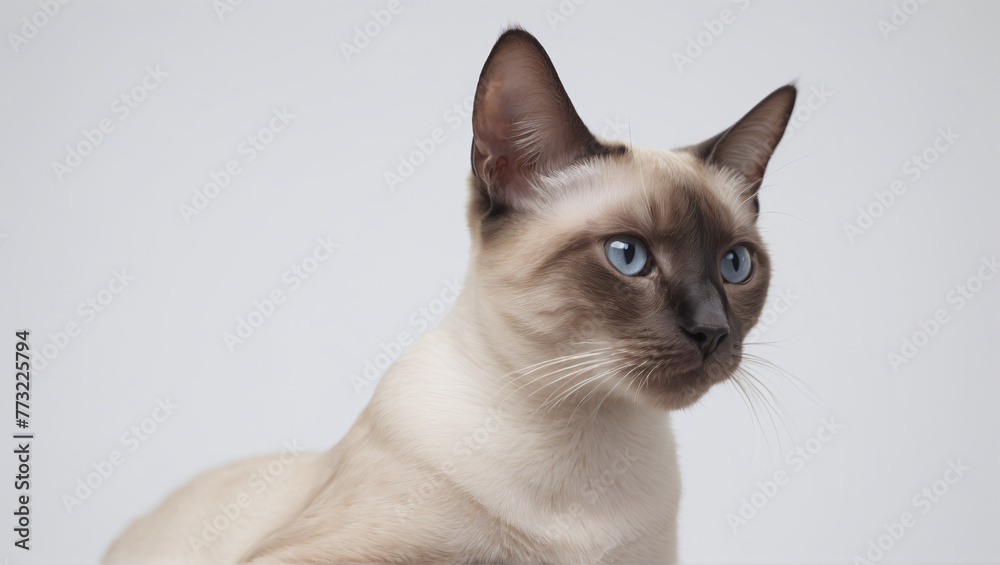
x,y
221,513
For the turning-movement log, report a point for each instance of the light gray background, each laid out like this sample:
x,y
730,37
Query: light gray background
x,y
323,176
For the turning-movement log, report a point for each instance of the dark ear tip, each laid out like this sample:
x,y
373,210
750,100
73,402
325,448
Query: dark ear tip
x,y
515,34
514,30
793,92
788,90
514,41
786,94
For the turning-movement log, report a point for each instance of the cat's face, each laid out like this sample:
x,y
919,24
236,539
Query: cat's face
x,y
643,268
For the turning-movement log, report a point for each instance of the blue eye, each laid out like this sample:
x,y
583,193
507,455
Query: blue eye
x,y
736,265
627,254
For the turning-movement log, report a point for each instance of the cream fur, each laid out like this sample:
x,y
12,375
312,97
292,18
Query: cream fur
x,y
509,500
457,458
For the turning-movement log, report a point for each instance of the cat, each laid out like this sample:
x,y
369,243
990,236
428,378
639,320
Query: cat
x,y
507,433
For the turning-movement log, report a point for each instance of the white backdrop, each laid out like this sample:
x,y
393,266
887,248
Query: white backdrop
x,y
183,93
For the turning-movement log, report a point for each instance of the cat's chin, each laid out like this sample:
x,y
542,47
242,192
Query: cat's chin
x,y
676,391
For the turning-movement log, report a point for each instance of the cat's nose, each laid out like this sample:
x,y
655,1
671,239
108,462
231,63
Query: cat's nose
x,y
708,337
703,317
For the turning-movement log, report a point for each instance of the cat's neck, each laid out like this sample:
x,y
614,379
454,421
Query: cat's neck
x,y
451,402
468,365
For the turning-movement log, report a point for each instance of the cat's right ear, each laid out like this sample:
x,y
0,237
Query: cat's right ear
x,y
523,122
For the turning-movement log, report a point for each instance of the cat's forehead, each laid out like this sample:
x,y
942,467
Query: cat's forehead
x,y
666,193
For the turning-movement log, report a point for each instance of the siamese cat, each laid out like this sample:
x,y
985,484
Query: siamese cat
x,y
507,433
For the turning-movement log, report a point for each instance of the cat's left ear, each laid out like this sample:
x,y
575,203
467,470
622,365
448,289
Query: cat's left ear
x,y
747,146
523,123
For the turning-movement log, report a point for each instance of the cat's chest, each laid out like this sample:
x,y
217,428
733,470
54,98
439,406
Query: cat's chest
x,y
599,525
617,502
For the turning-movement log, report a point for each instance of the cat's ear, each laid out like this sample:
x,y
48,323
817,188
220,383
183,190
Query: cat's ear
x,y
747,146
523,123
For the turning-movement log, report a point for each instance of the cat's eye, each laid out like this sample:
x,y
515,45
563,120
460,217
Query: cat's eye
x,y
627,254
736,265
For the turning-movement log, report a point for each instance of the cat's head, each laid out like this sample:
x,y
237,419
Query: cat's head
x,y
644,267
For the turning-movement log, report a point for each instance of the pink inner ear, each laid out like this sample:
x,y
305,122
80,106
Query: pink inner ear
x,y
519,130
523,122
492,134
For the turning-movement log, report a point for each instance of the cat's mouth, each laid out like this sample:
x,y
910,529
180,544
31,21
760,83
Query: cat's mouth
x,y
681,382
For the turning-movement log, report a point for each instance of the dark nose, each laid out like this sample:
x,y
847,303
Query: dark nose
x,y
703,317
702,313
707,336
